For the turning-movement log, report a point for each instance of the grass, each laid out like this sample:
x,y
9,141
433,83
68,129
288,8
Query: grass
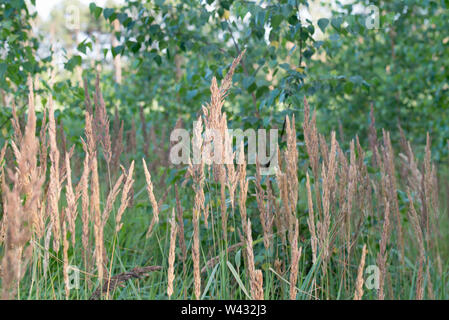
x,y
298,234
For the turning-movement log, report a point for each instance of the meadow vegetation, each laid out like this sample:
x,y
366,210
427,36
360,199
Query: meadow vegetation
x,y
92,207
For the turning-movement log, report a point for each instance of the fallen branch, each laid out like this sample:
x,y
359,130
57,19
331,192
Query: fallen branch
x,y
115,281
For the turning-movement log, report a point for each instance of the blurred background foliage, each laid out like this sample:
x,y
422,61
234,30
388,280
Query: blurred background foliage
x,y
159,57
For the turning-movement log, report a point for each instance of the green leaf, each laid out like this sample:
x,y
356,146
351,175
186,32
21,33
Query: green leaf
x,y
3,68
308,53
191,94
336,23
117,50
276,21
83,45
96,11
323,23
73,62
237,278
247,82
122,17
108,12
238,259
158,59
348,87
209,282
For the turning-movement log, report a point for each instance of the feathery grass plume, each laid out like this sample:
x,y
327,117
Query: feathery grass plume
x,y
359,282
429,283
102,123
83,191
362,174
112,196
288,181
117,149
294,264
404,148
15,239
152,198
125,197
91,138
392,187
273,205
180,218
243,183
16,124
232,173
324,149
196,171
328,182
342,185
29,174
43,150
311,220
430,206
265,219
250,261
17,250
291,157
171,255
414,219
323,226
206,215
224,214
279,267
71,209
382,255
65,246
286,215
95,211
54,184
215,120
100,222
87,100
214,117
258,285
312,145
332,168
349,195
414,176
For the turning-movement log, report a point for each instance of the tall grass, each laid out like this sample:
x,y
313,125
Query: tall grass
x,y
307,232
